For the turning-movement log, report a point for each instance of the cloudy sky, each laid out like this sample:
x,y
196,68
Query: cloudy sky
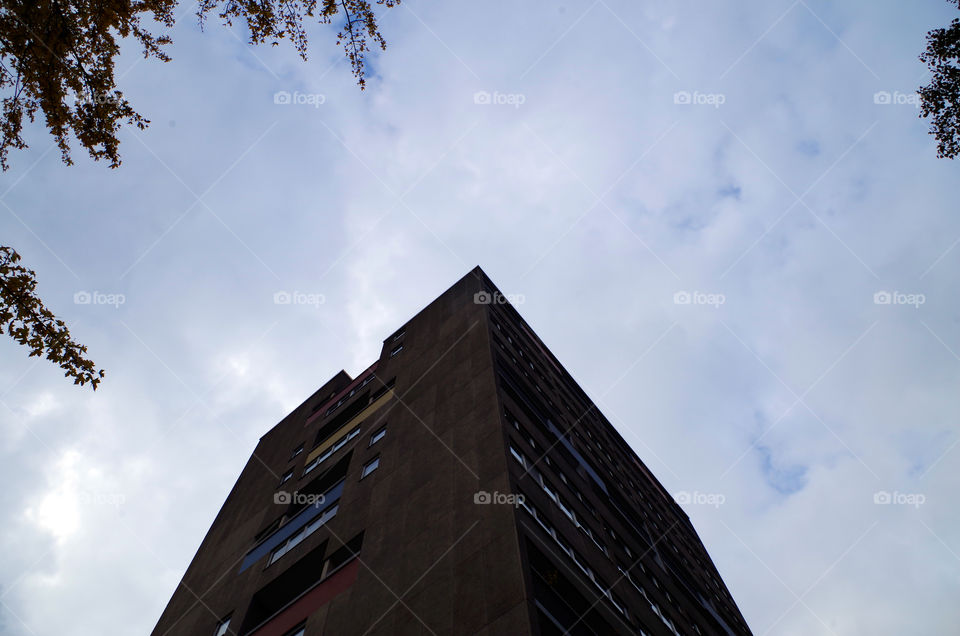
x,y
726,219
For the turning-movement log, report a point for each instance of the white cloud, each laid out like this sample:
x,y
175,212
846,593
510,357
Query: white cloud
x,y
798,398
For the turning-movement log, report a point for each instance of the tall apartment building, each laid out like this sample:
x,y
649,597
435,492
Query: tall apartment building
x,y
462,484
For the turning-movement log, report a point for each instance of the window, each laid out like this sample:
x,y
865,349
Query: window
x,y
333,449
396,350
296,451
567,510
566,547
376,437
223,627
287,476
399,334
617,603
315,498
367,380
299,630
342,556
370,466
547,488
263,534
383,390
303,533
526,505
582,565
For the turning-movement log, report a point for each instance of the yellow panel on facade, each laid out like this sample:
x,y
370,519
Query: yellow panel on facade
x,y
343,430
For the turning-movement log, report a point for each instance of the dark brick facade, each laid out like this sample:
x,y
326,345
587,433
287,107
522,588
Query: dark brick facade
x,y
476,411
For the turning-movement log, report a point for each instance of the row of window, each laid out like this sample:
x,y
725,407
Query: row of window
x,y
304,532
316,461
586,410
223,628
571,514
397,336
564,506
596,450
307,530
266,603
368,468
562,391
544,522
552,410
577,460
367,380
591,409
374,438
581,563
653,502
659,507
566,391
319,459
586,503
557,498
653,605
331,512
546,460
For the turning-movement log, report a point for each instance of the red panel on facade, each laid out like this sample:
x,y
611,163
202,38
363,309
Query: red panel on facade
x,y
310,602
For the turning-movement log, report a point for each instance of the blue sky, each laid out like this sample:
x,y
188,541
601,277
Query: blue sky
x,y
632,157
